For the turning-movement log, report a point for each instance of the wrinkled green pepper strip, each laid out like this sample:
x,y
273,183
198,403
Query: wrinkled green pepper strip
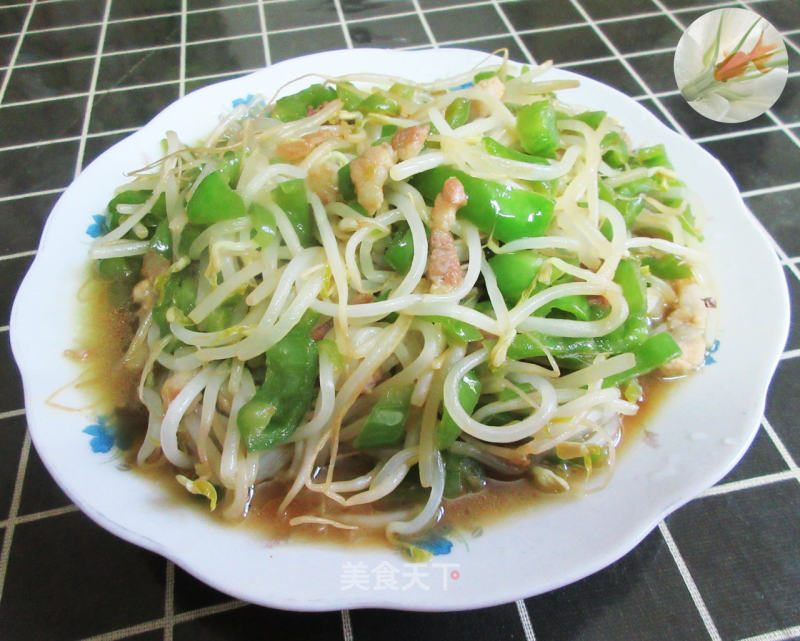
x,y
656,351
214,201
179,290
483,75
668,266
655,156
296,106
386,422
469,391
378,103
615,151
576,305
350,98
231,167
161,240
637,187
633,331
498,149
290,196
188,236
279,405
457,112
264,228
630,208
515,272
124,268
536,128
591,118
456,331
136,197
505,213
402,91
222,316
347,190
400,252
462,475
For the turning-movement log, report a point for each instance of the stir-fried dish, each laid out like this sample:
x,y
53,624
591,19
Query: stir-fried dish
x,y
374,289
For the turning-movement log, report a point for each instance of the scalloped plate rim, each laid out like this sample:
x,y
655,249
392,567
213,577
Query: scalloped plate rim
x,y
504,591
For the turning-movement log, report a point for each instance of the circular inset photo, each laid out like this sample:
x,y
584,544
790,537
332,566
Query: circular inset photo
x,y
731,65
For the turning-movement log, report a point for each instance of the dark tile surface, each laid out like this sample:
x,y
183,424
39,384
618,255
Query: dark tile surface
x,y
154,635
793,342
62,14
6,47
537,14
235,21
401,31
299,13
252,621
32,211
762,458
656,70
298,43
437,4
194,5
96,145
608,604
601,9
191,85
467,22
611,73
686,15
782,404
750,535
10,383
191,594
775,211
156,32
221,57
787,107
40,492
752,159
13,270
584,44
37,168
127,69
11,19
130,108
681,4
490,45
55,557
34,123
12,434
697,125
56,45
49,81
782,14
356,9
642,34
501,622
142,8
652,107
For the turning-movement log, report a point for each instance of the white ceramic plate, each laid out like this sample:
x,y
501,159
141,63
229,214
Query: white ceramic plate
x,y
702,429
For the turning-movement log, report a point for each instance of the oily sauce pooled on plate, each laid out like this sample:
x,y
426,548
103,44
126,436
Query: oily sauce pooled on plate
x,y
108,329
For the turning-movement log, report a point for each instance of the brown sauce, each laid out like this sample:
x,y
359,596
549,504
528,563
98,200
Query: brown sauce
x,y
103,334
106,332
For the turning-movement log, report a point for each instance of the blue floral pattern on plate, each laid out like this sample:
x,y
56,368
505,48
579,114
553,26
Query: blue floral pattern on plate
x,y
98,226
107,434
